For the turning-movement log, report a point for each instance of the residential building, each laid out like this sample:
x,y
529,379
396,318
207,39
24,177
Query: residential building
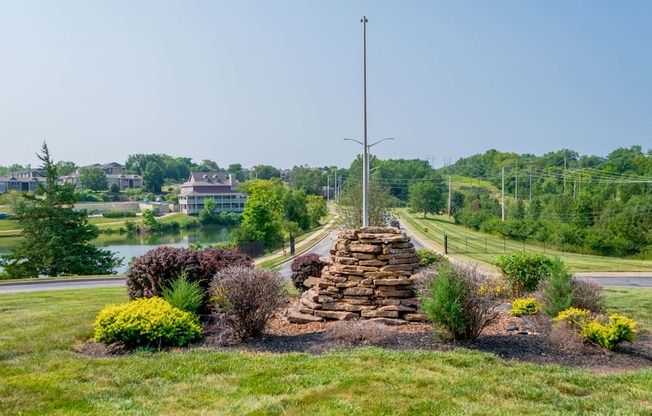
x,y
21,181
125,181
202,186
112,171
111,168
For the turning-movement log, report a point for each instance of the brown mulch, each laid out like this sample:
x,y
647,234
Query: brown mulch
x,y
534,342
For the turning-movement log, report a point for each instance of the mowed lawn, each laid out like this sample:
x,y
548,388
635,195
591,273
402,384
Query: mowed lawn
x,y
480,248
40,374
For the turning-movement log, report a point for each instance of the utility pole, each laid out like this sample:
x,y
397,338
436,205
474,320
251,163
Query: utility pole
x,y
335,184
328,188
516,190
503,195
564,175
530,200
365,149
449,196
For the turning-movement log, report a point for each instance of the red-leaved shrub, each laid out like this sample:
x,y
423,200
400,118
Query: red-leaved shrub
x,y
303,267
150,273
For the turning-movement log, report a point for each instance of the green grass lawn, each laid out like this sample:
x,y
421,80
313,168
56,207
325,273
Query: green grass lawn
x,y
41,375
475,247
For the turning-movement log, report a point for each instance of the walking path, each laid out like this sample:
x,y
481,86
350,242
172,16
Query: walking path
x,y
304,245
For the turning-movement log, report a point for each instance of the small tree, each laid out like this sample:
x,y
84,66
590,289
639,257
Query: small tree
x,y
349,205
115,188
93,179
556,289
263,215
153,177
56,238
317,209
426,197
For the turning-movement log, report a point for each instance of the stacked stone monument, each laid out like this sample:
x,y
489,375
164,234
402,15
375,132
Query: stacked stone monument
x,y
371,275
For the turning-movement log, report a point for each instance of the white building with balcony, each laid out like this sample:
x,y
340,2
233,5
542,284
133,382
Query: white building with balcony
x,y
210,185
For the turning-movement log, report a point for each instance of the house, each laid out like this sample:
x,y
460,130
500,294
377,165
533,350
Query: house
x,y
112,171
202,186
112,168
21,181
124,181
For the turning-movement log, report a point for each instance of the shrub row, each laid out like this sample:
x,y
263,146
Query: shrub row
x,y
119,214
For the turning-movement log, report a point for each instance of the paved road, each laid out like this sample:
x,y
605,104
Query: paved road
x,y
322,248
60,284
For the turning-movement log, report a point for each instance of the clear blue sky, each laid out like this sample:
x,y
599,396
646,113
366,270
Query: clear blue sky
x,y
280,82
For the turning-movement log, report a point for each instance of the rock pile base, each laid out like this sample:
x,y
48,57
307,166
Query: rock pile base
x,y
370,275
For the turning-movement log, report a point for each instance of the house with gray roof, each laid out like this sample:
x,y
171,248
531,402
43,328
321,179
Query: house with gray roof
x,y
25,181
202,186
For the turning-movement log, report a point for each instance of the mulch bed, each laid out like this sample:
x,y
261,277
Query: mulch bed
x,y
533,342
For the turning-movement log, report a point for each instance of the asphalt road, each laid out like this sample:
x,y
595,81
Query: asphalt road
x,y
322,248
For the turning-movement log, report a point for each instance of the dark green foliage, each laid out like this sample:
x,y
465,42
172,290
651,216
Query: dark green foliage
x,y
119,214
426,197
155,270
93,179
305,266
524,270
153,177
184,294
56,239
429,258
584,204
458,299
555,288
247,298
115,188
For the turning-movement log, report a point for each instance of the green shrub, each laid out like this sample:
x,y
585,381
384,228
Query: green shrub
x,y
429,258
526,306
555,290
146,322
184,294
119,214
524,270
618,329
246,298
452,298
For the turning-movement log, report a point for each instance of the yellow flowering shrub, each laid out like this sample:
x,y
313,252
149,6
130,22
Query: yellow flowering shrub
x,y
146,322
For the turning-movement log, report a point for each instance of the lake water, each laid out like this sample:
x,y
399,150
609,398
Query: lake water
x,y
131,245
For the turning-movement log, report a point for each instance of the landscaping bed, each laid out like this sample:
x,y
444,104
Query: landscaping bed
x,y
533,342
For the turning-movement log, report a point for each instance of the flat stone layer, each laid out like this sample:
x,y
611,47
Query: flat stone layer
x,y
369,276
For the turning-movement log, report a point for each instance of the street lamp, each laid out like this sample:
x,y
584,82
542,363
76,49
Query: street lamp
x,y
365,177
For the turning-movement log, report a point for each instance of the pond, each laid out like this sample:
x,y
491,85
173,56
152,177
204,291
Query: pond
x,y
131,245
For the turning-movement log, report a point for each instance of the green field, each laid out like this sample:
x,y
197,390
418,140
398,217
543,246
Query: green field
x,y
41,375
479,248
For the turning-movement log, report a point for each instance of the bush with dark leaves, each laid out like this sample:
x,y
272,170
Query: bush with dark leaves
x,y
246,298
155,270
304,267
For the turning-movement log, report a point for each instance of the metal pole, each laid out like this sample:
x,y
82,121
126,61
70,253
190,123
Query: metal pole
x,y
328,188
503,195
365,149
449,196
